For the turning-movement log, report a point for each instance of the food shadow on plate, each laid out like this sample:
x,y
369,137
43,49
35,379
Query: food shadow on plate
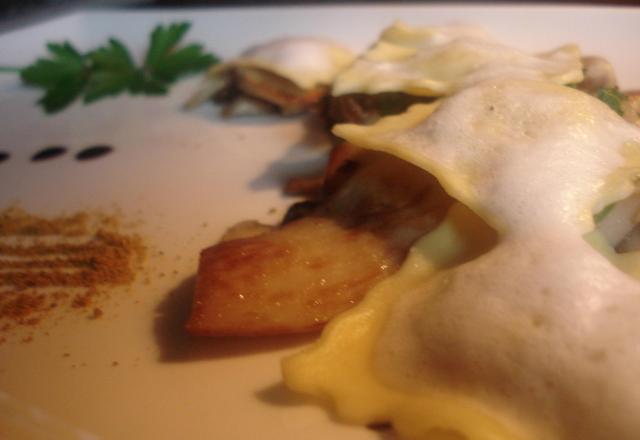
x,y
211,113
278,173
315,126
301,157
279,395
176,345
306,156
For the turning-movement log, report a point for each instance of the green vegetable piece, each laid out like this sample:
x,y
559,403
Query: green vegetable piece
x,y
163,40
392,103
188,59
114,71
63,76
143,84
66,62
165,62
612,97
109,70
114,56
603,213
64,93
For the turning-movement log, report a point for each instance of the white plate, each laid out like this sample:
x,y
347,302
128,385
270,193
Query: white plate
x,y
174,172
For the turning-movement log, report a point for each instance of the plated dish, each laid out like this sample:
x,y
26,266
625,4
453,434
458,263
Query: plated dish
x,y
162,362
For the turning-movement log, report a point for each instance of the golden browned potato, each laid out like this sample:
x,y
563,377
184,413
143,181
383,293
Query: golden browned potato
x,y
296,277
288,281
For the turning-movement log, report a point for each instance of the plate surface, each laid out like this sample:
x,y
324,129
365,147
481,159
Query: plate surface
x,y
181,178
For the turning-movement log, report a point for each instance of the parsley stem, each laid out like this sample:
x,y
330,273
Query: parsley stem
x,y
4,69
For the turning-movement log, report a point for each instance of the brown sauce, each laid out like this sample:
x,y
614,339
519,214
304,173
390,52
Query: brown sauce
x,y
4,156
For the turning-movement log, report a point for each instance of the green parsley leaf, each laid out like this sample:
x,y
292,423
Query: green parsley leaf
x,y
110,70
65,63
144,84
166,63
63,76
64,93
186,60
114,71
163,41
612,97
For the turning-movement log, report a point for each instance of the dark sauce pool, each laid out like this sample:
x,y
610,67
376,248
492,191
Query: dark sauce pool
x,y
4,156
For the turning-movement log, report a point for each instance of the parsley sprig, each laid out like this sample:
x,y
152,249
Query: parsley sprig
x,y
109,70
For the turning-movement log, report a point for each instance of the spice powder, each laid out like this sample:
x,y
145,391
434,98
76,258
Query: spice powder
x,y
67,262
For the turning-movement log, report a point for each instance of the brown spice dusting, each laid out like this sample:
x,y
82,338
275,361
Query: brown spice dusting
x,y
115,363
82,300
16,221
64,262
380,426
20,306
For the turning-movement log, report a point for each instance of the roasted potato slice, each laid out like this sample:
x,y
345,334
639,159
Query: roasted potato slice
x,y
287,281
296,277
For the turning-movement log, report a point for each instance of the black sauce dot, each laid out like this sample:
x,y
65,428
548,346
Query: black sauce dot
x,y
49,153
93,152
4,156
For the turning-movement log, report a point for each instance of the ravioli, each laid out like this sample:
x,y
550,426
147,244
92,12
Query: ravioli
x,y
437,61
307,61
513,320
288,73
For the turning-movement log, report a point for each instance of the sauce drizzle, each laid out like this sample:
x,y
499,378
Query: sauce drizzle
x,y
94,152
49,153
